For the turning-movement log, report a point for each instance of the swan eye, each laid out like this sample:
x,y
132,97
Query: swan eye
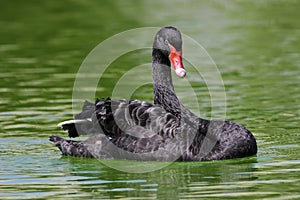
x,y
166,42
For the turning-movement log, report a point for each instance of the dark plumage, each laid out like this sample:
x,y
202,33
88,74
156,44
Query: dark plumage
x,y
165,130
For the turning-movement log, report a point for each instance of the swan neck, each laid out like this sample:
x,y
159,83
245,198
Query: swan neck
x,y
161,70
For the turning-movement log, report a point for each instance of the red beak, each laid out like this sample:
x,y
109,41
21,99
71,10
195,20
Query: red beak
x,y
176,60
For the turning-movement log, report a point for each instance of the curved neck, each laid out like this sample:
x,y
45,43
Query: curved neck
x,y
164,94
161,70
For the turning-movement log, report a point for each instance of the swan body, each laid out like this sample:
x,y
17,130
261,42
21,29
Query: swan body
x,y
164,130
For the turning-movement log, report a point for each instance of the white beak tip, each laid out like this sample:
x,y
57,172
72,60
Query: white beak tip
x,y
180,72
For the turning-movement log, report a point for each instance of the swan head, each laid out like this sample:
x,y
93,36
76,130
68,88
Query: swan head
x,y
168,41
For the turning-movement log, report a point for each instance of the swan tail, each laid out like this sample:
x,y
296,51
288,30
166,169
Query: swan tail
x,y
70,147
82,124
76,127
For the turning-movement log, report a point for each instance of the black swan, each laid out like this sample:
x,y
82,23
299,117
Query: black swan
x,y
164,130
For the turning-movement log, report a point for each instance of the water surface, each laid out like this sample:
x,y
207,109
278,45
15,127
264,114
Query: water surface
x,y
255,45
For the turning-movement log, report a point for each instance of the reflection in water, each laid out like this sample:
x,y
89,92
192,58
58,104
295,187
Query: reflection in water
x,y
179,179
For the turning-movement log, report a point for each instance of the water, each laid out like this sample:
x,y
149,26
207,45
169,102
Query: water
x,y
254,44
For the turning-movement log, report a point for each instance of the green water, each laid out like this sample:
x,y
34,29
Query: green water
x,y
255,45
